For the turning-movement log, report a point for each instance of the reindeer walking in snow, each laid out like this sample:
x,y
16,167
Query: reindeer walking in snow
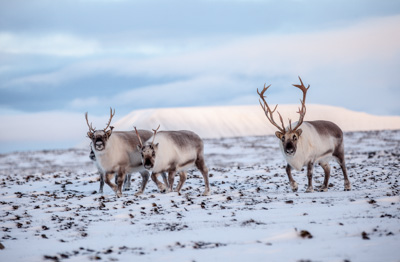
x,y
315,142
117,153
174,152
127,182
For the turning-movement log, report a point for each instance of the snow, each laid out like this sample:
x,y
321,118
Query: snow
x,y
50,209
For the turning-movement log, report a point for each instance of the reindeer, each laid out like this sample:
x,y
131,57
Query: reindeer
x,y
116,153
127,182
315,142
174,152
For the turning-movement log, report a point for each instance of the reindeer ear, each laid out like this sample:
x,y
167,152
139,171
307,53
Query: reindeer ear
x,y
90,135
155,146
109,132
139,148
299,132
279,135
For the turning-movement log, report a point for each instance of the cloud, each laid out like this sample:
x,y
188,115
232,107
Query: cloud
x,y
54,45
189,92
85,102
344,63
371,41
50,126
349,61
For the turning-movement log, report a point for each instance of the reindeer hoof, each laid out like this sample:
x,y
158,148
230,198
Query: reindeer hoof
x,y
309,190
138,193
347,189
294,186
206,193
323,189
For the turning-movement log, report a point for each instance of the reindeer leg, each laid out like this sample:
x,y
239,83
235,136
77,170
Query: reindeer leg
x,y
108,177
327,170
101,182
310,168
121,178
182,179
341,161
204,171
164,177
160,185
347,184
127,182
171,177
145,177
293,183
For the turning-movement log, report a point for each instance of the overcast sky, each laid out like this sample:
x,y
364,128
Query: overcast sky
x,y
59,59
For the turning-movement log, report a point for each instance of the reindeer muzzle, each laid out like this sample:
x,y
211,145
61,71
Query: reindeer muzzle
x,y
92,156
99,145
148,164
290,149
290,152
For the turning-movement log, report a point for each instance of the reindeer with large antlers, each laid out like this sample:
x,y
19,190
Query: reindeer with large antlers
x,y
174,152
315,142
116,153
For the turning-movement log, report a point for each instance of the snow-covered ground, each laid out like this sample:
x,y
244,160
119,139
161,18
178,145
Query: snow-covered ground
x,y
50,209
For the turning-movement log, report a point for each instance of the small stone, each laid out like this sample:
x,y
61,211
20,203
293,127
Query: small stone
x,y
364,235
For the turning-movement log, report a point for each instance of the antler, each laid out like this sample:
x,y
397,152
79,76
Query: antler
x,y
111,116
91,129
268,112
302,110
140,140
155,132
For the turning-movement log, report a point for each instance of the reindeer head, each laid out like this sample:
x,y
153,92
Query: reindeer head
x,y
100,137
92,156
148,151
289,136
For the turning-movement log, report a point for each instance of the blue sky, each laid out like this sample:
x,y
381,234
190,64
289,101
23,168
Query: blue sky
x,y
59,59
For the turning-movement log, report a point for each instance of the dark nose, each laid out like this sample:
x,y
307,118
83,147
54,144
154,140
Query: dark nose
x,y
289,148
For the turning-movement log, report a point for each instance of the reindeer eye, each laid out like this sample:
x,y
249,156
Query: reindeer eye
x,y
283,138
294,138
153,154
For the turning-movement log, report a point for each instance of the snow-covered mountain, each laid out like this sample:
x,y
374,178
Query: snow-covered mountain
x,y
236,121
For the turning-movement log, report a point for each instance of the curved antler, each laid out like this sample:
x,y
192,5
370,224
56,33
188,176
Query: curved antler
x,y
302,110
91,129
140,140
155,132
268,112
111,116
